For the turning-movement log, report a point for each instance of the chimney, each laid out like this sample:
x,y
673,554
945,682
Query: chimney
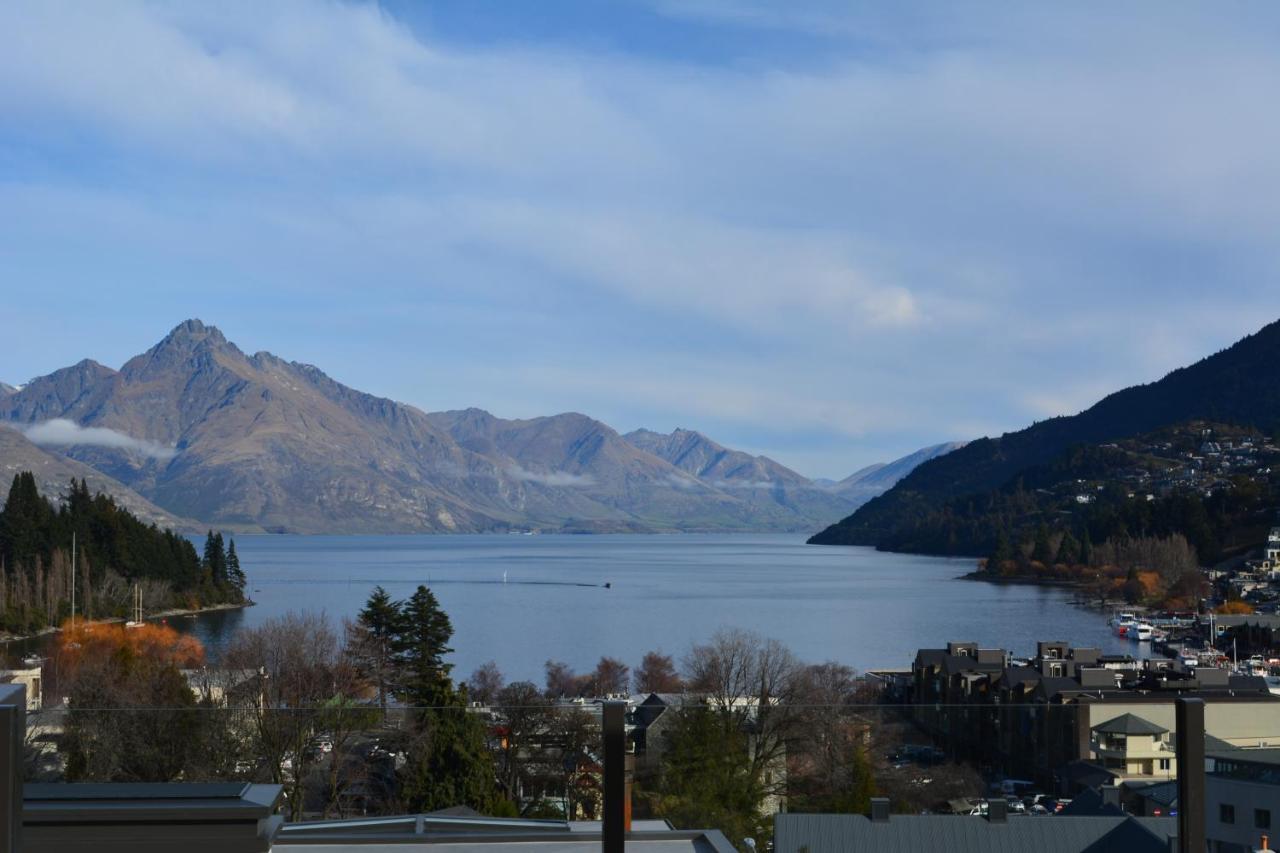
x,y
1110,795
879,809
998,811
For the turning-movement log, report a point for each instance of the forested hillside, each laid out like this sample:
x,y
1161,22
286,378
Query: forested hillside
x,y
114,551
945,505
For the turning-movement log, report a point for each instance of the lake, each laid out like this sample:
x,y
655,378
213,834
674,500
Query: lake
x,y
856,606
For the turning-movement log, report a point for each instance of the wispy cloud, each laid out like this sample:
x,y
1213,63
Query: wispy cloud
x,y
869,226
60,432
559,479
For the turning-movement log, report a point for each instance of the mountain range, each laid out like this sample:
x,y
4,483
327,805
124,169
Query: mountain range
x,y
194,428
1238,386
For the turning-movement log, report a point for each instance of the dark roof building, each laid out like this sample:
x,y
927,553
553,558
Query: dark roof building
x,y
1130,724
805,833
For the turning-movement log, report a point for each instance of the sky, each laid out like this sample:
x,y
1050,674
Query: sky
x,y
831,233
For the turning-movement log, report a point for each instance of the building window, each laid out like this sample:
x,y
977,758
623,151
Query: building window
x,y
1262,818
1227,813
1164,764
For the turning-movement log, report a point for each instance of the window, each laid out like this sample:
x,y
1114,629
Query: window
x,y
1262,818
1227,813
1164,764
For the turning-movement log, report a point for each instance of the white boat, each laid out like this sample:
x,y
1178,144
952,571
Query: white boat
x,y
1123,623
1142,632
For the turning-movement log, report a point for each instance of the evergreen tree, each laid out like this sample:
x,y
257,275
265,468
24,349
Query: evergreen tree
x,y
1086,548
421,642
1069,550
1042,552
374,638
215,559
235,574
1002,554
451,764
705,777
35,554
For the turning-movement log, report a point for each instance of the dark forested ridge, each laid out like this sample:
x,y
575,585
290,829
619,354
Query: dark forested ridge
x,y
114,551
948,504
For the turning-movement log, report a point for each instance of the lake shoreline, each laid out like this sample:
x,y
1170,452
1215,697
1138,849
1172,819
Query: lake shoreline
x,y
7,638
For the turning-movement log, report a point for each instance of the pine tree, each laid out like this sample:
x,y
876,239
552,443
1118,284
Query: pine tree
x,y
1086,548
1002,554
215,560
1043,550
1069,550
452,765
235,574
420,645
374,637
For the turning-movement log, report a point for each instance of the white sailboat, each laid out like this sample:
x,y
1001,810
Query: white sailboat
x,y
136,621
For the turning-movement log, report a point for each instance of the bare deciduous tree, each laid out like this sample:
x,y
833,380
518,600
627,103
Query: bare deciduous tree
x,y
303,668
485,683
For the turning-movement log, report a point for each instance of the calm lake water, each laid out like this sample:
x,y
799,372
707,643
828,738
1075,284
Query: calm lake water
x,y
853,605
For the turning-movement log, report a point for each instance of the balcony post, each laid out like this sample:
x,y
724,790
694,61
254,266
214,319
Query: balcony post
x,y
13,728
1191,783
613,836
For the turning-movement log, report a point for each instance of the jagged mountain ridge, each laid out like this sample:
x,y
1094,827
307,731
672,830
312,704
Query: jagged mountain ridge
x,y
255,442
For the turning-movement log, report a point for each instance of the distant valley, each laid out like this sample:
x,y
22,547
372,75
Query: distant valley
x,y
196,432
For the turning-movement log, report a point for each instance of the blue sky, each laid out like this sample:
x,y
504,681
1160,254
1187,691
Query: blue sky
x,y
826,232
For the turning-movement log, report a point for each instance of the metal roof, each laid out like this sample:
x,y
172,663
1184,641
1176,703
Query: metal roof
x,y
962,834
1130,724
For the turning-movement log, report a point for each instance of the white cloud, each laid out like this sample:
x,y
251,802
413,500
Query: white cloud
x,y
559,479
903,237
60,432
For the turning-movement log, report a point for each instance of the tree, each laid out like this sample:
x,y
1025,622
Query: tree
x,y
304,669
131,716
610,677
420,644
751,682
372,641
485,683
235,574
1002,554
449,763
657,674
829,770
560,680
523,721
1068,550
1043,552
215,560
1234,607
706,778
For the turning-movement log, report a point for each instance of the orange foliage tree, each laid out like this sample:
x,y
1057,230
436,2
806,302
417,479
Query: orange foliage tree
x,y
1234,607
132,717
100,642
